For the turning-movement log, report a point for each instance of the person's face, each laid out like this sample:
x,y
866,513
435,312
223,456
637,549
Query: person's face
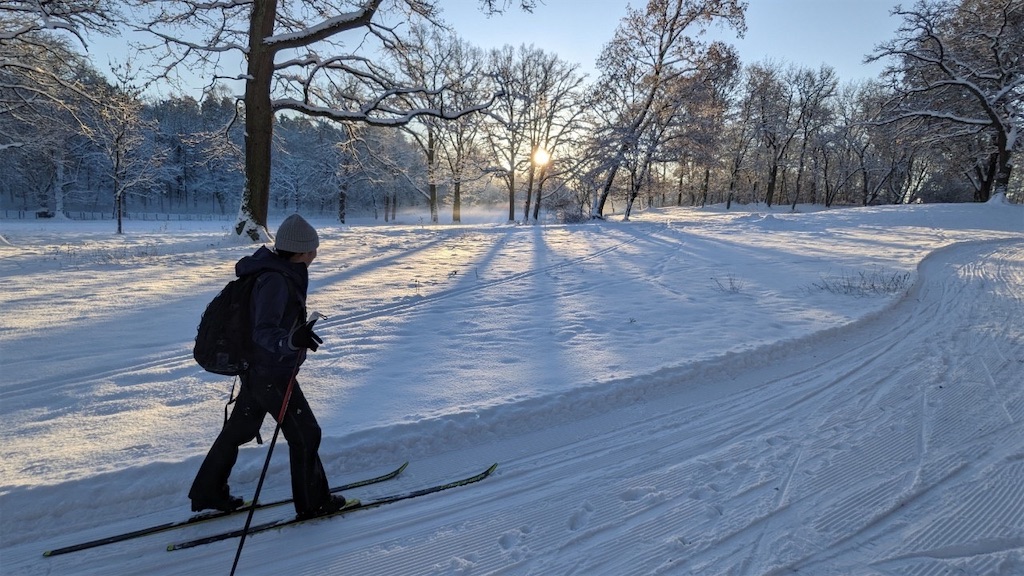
x,y
305,257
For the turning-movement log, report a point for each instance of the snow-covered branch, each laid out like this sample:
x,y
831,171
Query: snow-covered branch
x,y
376,112
957,64
73,17
325,29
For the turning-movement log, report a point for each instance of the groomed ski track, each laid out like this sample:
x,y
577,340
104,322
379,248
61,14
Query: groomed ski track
x,y
852,452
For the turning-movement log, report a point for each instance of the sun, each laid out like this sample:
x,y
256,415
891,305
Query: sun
x,y
541,157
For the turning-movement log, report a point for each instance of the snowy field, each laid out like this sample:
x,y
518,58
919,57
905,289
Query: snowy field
x,y
692,392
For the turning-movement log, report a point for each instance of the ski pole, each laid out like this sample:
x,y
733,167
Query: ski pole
x,y
266,464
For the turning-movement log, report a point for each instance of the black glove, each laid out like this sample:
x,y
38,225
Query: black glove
x,y
304,337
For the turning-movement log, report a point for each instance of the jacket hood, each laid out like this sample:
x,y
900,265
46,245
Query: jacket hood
x,y
264,259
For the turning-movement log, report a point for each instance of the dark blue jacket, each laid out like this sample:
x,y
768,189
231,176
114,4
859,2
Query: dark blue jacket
x,y
278,308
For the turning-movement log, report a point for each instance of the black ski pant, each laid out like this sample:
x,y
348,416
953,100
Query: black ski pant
x,y
262,393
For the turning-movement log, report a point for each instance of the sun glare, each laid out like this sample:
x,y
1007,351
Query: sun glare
x,y
541,157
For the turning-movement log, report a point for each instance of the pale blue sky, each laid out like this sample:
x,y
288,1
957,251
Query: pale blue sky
x,y
801,32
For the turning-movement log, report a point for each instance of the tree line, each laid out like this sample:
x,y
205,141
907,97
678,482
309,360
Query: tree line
x,y
419,117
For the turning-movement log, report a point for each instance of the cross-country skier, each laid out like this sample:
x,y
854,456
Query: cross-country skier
x,y
281,337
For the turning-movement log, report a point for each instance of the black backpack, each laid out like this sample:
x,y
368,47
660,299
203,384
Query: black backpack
x,y
224,338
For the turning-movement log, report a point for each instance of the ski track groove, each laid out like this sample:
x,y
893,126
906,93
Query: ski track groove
x,y
995,512
996,393
901,403
868,537
979,511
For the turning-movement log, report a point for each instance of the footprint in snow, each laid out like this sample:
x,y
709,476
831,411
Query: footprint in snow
x,y
580,518
460,565
704,492
639,493
513,538
513,543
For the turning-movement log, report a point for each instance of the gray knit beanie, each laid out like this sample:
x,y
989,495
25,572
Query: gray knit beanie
x,y
296,235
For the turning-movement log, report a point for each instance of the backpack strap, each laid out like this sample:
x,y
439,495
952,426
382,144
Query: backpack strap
x,y
231,400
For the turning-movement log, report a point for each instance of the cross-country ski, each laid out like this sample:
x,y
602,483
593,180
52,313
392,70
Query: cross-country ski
x,y
207,517
375,503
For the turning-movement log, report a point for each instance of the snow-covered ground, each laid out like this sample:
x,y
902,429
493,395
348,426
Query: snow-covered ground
x,y
692,392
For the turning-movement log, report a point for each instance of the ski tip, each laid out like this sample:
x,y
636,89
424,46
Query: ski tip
x,y
403,467
171,548
491,469
47,553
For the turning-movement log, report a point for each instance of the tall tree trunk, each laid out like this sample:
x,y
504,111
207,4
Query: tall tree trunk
x,y
342,197
799,176
598,209
118,208
510,179
118,191
1004,165
529,194
773,175
704,188
432,174
540,187
633,193
989,178
58,183
679,187
457,202
259,122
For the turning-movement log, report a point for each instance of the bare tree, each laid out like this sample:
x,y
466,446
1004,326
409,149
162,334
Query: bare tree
x,y
461,138
39,67
535,121
739,136
43,83
775,117
378,167
813,91
451,71
506,134
651,50
695,140
295,60
847,139
957,70
121,134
